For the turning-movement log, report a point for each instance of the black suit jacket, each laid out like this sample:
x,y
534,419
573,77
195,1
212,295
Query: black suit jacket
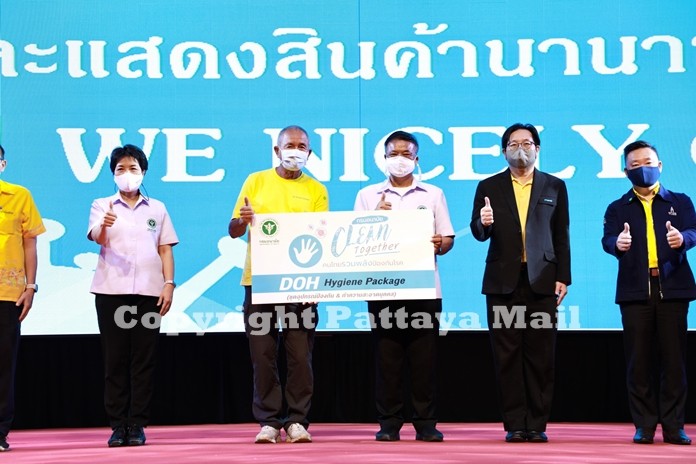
x,y
547,234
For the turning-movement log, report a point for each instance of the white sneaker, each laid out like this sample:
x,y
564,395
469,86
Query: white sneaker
x,y
296,433
267,434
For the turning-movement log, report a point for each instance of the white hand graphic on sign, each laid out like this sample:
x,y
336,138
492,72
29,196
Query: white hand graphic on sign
x,y
309,249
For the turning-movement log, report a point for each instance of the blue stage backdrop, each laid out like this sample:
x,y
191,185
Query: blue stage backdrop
x,y
205,86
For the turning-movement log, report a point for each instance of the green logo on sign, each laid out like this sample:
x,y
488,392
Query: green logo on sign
x,y
269,227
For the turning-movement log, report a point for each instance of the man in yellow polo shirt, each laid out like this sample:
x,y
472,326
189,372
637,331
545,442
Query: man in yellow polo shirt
x,y
20,223
283,189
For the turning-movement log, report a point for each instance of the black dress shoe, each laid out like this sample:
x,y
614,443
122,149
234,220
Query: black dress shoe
x,y
429,434
387,435
136,435
644,436
118,437
676,437
516,436
4,446
536,437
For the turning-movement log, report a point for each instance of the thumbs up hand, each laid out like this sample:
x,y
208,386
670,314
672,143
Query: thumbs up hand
x,y
246,212
110,216
383,203
674,237
623,242
487,213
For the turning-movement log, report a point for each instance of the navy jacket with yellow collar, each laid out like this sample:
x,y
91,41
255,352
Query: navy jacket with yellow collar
x,y
676,277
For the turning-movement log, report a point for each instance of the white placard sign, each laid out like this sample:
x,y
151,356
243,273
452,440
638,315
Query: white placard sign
x,y
342,256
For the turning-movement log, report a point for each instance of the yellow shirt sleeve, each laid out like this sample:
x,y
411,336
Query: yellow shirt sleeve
x,y
19,219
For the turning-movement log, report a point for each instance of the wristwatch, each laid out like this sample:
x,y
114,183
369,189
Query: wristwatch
x,y
170,282
34,287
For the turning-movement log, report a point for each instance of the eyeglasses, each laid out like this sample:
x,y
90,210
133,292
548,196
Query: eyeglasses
x,y
526,145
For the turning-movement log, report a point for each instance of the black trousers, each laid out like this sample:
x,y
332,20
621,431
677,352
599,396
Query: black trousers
x,y
9,346
654,334
298,322
524,348
395,349
129,345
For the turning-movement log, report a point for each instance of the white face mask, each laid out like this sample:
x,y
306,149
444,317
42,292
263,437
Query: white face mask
x,y
128,182
293,160
400,166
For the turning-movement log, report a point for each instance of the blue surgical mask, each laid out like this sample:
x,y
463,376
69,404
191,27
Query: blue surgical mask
x,y
644,176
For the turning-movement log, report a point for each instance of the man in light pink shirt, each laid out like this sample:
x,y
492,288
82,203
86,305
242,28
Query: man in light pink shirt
x,y
394,346
133,288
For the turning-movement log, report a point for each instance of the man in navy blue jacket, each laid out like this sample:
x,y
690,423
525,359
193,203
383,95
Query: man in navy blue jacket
x,y
649,230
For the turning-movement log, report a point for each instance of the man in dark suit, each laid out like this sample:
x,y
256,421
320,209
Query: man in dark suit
x,y
526,278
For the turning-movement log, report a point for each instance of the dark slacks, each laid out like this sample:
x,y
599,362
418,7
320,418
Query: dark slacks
x,y
654,334
524,347
395,349
130,352
9,346
298,322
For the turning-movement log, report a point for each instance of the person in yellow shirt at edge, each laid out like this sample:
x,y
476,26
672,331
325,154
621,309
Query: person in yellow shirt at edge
x,y
283,189
20,223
